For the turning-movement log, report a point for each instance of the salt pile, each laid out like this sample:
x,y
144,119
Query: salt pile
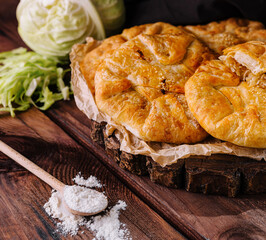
x,y
104,227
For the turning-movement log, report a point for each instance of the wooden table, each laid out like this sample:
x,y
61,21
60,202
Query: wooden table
x,y
58,141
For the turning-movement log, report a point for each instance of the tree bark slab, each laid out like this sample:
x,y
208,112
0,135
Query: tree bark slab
x,y
219,174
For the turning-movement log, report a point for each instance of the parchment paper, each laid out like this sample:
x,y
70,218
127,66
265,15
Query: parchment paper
x,y
162,153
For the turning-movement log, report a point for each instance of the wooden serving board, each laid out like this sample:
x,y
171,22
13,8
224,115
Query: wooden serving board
x,y
216,174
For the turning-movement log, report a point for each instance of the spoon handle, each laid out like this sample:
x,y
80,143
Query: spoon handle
x,y
32,167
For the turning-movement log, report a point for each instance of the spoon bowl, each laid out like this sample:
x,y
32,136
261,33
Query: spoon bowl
x,y
83,201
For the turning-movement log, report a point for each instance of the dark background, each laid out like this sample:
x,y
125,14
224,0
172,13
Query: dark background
x,y
185,12
176,12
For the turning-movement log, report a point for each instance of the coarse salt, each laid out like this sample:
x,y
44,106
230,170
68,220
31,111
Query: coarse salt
x,y
69,223
85,200
109,227
105,227
90,182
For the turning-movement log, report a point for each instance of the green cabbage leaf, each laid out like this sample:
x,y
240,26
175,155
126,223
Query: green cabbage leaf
x,y
28,78
112,13
52,27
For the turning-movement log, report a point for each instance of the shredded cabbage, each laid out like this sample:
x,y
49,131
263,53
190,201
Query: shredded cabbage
x,y
51,27
28,78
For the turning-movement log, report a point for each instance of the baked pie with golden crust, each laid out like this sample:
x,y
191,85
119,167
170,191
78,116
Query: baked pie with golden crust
x,y
141,86
94,58
228,96
227,33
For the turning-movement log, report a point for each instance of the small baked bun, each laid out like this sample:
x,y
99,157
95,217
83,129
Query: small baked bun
x,y
227,33
94,58
141,86
228,97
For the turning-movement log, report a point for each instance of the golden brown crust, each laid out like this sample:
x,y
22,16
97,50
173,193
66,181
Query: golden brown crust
x,y
151,29
227,33
141,86
228,104
251,54
248,61
93,59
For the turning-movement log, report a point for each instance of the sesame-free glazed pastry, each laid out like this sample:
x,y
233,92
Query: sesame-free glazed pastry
x,y
228,96
94,58
227,33
141,86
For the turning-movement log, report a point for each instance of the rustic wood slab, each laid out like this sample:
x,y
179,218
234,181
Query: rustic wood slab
x,y
220,174
23,195
196,215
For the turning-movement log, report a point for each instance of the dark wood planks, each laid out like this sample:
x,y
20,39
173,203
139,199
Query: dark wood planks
x,y
22,195
196,215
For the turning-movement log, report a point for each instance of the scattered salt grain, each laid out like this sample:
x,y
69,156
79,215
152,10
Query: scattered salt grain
x,y
69,223
90,182
109,227
84,199
105,226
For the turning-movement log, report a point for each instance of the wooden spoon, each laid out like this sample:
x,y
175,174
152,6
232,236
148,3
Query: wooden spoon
x,y
45,176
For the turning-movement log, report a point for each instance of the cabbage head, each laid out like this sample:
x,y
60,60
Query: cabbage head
x,y
51,27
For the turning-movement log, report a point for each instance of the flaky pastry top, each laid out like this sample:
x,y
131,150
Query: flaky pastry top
x,y
227,33
228,96
94,58
141,86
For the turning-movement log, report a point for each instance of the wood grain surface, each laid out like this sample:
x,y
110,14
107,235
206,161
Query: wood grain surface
x,y
58,140
23,195
196,215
